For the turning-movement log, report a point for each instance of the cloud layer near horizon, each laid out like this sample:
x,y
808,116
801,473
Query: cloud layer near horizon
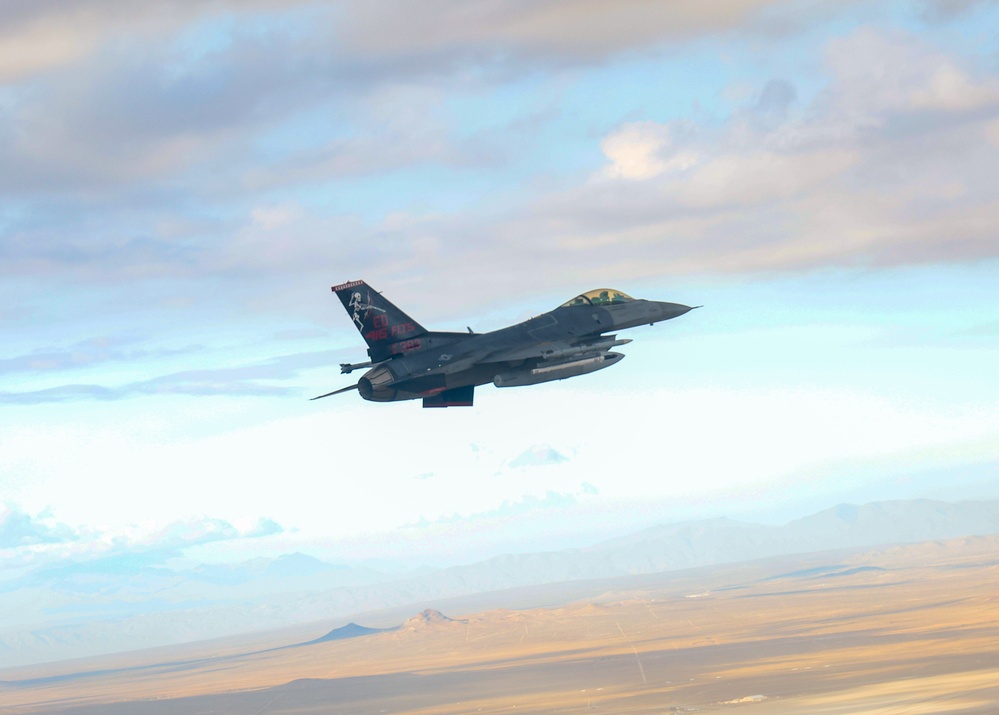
x,y
39,541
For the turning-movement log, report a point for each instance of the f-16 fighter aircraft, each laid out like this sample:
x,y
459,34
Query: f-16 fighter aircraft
x,y
409,362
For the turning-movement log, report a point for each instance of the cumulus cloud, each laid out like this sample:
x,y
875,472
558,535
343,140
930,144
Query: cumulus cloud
x,y
641,150
39,541
193,531
19,528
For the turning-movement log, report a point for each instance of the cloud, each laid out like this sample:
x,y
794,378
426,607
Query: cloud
x,y
947,10
640,150
36,44
18,528
951,89
124,119
732,181
558,32
195,531
152,97
83,354
51,548
269,218
890,163
878,75
191,142
39,37
538,455
775,98
160,100
231,381
887,166
512,509
184,96
390,37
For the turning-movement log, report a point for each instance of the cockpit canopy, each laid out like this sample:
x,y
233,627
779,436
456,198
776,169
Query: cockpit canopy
x,y
600,296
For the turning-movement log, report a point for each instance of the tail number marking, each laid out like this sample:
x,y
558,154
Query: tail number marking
x,y
406,346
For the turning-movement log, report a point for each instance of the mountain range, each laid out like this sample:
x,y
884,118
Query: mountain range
x,y
77,612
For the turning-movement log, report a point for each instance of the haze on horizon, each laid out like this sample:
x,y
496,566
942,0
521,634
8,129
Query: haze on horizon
x,y
181,182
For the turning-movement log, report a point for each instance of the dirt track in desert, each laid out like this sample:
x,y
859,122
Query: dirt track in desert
x,y
912,629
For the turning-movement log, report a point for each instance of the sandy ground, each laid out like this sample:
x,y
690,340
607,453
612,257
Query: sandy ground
x,y
905,630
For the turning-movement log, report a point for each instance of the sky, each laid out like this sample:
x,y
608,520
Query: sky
x,y
182,182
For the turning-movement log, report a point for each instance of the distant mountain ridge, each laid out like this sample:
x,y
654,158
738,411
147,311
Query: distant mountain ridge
x,y
671,547
288,566
159,607
719,541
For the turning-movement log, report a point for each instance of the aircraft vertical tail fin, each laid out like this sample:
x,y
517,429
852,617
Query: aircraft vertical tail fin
x,y
385,328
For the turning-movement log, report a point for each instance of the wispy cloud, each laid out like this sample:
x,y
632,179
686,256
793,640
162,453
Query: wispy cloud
x,y
449,33
242,380
84,354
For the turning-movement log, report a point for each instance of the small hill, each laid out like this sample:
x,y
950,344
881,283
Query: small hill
x,y
430,618
351,630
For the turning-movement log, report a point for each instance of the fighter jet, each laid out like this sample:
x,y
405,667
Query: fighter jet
x,y
409,362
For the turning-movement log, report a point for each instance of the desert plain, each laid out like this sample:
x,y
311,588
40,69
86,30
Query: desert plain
x,y
900,629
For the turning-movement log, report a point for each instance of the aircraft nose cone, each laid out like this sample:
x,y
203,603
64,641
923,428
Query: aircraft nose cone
x,y
673,310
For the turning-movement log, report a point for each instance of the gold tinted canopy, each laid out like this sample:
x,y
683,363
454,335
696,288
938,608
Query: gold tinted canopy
x,y
600,296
